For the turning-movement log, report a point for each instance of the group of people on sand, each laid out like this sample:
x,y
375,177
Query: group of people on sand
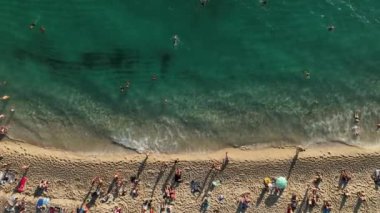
x,y
314,193
14,204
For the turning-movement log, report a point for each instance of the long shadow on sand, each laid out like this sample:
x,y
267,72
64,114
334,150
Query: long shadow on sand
x,y
271,200
170,175
142,166
261,197
292,164
162,171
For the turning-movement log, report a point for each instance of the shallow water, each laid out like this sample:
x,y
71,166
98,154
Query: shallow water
x,y
236,76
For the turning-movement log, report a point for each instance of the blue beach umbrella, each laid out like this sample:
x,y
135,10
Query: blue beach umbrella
x,y
281,182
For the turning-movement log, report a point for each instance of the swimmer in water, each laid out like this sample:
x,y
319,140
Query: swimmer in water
x,y
125,87
356,117
203,2
356,130
154,77
331,28
263,2
306,74
175,40
5,98
42,29
32,26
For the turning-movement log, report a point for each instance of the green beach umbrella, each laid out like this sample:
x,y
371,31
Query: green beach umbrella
x,y
281,182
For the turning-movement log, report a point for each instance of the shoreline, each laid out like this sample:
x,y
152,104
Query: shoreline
x,y
70,174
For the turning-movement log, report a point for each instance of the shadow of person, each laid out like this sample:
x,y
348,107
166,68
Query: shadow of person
x,y
271,200
204,184
169,177
142,166
303,202
294,161
343,202
358,205
162,171
261,197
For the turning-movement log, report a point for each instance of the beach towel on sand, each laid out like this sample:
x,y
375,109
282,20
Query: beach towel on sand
x,y
21,186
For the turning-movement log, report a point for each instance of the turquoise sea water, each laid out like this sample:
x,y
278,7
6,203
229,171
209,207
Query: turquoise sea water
x,y
236,76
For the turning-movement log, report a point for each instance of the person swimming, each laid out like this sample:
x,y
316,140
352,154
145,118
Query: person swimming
x,y
356,117
263,2
154,76
175,40
125,87
42,29
356,130
203,2
331,28
306,74
32,25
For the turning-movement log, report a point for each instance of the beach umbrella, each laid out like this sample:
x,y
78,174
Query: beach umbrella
x,y
281,182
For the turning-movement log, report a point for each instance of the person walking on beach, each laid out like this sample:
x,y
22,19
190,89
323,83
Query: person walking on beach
x,y
378,127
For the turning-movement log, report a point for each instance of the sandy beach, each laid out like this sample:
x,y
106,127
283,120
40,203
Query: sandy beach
x,y
70,176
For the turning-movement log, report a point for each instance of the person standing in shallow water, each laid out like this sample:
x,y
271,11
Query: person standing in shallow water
x,y
175,40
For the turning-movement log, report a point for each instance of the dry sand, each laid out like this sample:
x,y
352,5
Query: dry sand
x,y
70,175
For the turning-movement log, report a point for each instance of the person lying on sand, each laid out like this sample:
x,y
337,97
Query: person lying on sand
x,y
21,206
362,197
326,207
346,193
318,179
135,191
294,201
344,178
244,201
43,185
195,187
178,176
313,197
117,209
147,205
